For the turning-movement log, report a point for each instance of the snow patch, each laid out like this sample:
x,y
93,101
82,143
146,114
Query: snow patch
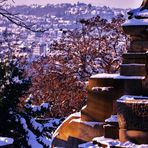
x,y
17,80
45,140
87,145
36,125
136,22
113,118
115,76
6,141
98,89
133,99
92,124
111,143
129,77
133,64
45,105
32,140
104,75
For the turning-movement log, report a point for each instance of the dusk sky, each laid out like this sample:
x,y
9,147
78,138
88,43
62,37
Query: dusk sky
x,y
111,3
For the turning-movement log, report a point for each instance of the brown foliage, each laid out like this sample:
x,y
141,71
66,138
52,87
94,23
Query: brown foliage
x,y
55,82
60,77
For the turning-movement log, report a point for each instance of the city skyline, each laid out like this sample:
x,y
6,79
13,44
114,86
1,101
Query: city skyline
x,y
110,3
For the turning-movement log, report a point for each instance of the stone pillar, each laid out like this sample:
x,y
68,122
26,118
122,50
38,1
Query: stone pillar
x,y
132,110
137,27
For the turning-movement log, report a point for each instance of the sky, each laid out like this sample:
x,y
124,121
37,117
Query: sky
x,y
110,3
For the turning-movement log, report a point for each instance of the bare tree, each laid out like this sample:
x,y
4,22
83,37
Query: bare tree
x,y
96,47
55,81
60,77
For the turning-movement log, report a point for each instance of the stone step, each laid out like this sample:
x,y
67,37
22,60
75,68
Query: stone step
x,y
101,80
133,69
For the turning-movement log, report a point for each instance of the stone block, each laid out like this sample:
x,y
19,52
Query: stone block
x,y
111,131
130,57
134,30
101,80
136,46
132,69
97,104
133,87
129,85
139,45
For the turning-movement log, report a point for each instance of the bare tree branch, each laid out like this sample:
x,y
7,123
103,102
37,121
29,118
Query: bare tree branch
x,y
17,20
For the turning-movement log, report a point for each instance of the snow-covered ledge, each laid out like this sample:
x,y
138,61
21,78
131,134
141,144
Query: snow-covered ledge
x,y
138,20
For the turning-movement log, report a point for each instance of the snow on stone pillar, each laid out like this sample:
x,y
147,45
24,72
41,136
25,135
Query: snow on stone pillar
x,y
132,109
137,27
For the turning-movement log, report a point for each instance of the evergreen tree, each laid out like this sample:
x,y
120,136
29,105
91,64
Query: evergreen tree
x,y
21,124
12,86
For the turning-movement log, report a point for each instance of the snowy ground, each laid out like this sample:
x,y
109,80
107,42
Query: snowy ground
x,y
96,143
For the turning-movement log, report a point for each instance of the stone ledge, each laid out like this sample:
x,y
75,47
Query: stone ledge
x,y
74,131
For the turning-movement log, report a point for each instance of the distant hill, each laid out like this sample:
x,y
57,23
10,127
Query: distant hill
x,y
66,10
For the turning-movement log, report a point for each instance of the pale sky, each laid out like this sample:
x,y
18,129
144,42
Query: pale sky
x,y
110,3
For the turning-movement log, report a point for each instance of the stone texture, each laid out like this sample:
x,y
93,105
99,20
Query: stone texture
x,y
111,131
132,69
97,103
135,136
74,131
133,86
100,81
130,112
135,30
139,46
136,57
145,87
